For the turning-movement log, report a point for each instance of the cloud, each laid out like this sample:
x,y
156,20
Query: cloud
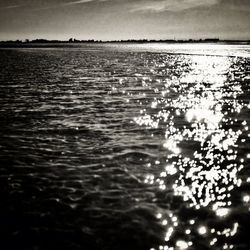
x,y
169,5
78,2
238,5
10,7
61,5
83,1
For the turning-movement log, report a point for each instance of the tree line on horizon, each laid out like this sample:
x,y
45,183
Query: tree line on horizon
x,y
73,40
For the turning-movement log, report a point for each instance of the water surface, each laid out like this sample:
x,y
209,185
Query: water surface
x,y
122,147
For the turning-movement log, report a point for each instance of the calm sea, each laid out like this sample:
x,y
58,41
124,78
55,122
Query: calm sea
x,y
125,147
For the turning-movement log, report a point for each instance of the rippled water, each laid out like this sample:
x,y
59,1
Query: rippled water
x,y
125,147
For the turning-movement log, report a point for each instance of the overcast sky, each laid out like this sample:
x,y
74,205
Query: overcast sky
x,y
124,19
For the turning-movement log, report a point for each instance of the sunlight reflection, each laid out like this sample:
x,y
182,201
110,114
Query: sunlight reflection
x,y
182,244
202,230
222,212
205,174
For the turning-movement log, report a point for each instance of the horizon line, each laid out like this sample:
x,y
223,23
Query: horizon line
x,y
74,40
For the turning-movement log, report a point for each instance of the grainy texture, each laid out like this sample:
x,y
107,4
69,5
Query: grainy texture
x,y
124,147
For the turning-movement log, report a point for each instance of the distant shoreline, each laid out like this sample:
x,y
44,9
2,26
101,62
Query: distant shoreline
x,y
54,43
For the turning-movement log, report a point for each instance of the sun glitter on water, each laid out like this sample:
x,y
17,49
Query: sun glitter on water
x,y
206,176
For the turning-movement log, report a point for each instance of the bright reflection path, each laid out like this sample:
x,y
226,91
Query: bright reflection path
x,y
197,108
193,48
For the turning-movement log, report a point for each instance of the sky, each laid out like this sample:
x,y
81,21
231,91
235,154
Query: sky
x,y
124,19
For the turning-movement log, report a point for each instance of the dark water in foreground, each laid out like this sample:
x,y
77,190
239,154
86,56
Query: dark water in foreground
x,y
122,148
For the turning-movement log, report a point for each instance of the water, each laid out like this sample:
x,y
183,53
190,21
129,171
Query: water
x,y
122,147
